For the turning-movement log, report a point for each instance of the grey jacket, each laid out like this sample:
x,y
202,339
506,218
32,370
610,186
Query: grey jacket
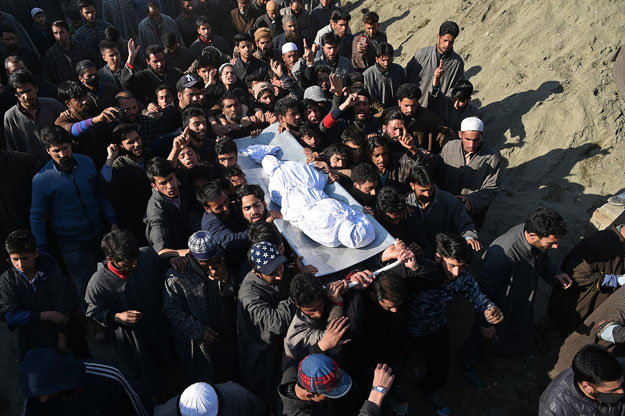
x,y
562,397
383,87
478,180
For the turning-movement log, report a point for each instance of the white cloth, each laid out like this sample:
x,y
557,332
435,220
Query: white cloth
x,y
258,151
298,189
199,399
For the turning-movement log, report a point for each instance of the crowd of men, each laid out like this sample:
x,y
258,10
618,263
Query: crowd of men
x,y
126,219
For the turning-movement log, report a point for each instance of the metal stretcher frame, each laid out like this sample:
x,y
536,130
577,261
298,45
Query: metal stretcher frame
x,y
327,259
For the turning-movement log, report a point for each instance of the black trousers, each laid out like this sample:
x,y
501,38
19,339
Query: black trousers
x,y
436,348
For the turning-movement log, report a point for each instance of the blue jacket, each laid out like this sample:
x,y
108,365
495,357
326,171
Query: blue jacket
x,y
71,202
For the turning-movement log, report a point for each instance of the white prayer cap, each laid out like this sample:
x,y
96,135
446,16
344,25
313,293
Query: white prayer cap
x,y
199,399
288,47
472,124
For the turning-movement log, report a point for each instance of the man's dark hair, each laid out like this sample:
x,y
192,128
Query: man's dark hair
x,y
340,15
308,103
153,50
330,38
189,112
209,57
84,3
228,95
409,90
70,89
393,115
364,93
112,34
6,29
231,172
202,20
123,95
375,142
282,106
421,175
310,129
120,246
83,65
545,222
240,37
61,23
449,28
389,286
22,77
322,69
453,246
225,145
365,172
353,78
462,90
370,17
121,131
107,44
202,170
164,87
306,289
158,167
252,78
246,190
54,135
169,39
264,231
595,365
352,134
337,149
20,241
389,200
210,192
384,49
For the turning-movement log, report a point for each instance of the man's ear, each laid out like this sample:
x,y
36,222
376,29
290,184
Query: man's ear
x,y
437,257
36,253
153,185
460,134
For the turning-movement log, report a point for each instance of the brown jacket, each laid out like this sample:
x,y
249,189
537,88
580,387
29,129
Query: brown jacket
x,y
364,61
241,24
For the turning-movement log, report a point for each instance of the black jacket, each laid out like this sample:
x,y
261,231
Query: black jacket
x,y
143,83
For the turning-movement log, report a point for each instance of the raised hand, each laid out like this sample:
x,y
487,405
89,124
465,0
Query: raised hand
x,y
438,73
333,335
276,67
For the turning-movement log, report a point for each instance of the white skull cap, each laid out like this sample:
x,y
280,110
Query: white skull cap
x,y
472,124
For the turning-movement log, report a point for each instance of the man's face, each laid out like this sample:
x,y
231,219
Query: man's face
x,y
424,194
408,106
197,129
389,305
9,40
275,277
189,96
14,66
371,29
361,108
88,13
112,58
228,160
314,310
204,73
290,29
237,182
460,105
133,144
291,119
254,210
167,186
393,129
311,141
356,151
325,3
264,44
338,161
188,157
61,155
154,13
331,52
187,7
164,98
27,95
367,187
205,31
272,13
221,207
543,244
384,62
340,28
25,262
157,63
81,106
323,80
296,5
89,74
394,217
132,112
125,266
232,109
243,5
268,98
451,267
212,267
444,43
379,157
246,49
40,19
471,140
228,76
290,58
607,387
313,114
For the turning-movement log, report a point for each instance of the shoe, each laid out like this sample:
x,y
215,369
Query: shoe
x,y
618,200
474,379
438,402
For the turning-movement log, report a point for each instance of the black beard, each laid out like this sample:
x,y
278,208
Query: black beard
x,y
196,136
65,164
87,112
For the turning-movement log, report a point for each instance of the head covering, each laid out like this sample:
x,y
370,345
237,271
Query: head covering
x,y
320,374
265,257
221,68
288,18
288,47
259,88
186,81
35,11
202,245
315,93
271,5
199,399
472,124
262,32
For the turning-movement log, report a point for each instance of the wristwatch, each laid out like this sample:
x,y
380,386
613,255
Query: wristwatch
x,y
379,389
240,126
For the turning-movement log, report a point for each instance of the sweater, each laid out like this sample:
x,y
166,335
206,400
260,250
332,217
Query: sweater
x,y
72,203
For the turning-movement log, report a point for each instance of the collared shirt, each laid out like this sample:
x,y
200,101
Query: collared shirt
x,y
59,65
32,283
28,113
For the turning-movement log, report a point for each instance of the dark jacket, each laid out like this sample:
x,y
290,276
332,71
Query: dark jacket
x,y
230,233
143,83
563,397
166,226
255,65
